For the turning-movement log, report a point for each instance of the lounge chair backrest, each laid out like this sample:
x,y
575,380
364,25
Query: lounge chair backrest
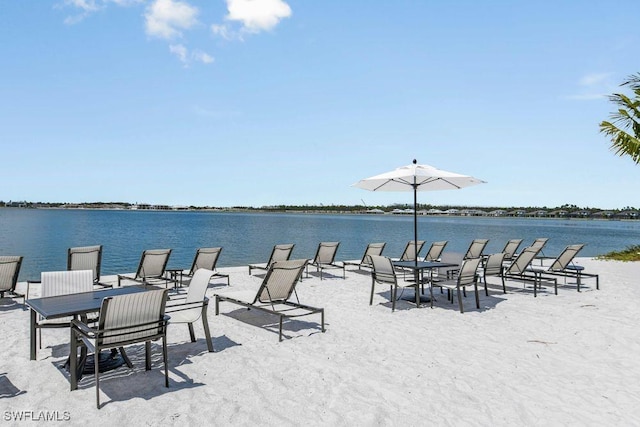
x,y
153,263
468,271
372,249
205,258
475,248
435,251
565,257
280,252
511,247
65,282
411,251
383,271
132,317
493,266
522,261
280,280
85,258
326,252
9,271
539,243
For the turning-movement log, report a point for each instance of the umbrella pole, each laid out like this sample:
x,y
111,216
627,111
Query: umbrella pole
x,y
415,222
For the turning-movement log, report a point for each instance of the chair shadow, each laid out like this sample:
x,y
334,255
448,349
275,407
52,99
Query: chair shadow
x,y
9,304
7,389
123,384
270,323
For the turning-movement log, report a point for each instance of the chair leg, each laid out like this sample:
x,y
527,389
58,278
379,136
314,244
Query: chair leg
x,y
322,319
147,355
164,358
459,300
192,334
96,369
475,288
205,324
280,330
394,291
372,287
73,361
125,357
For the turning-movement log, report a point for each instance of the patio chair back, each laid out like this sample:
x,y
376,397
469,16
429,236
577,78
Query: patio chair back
x,y
435,251
522,261
511,248
280,281
85,258
565,258
468,271
205,258
383,271
411,251
137,317
56,283
326,253
475,248
153,263
9,271
493,266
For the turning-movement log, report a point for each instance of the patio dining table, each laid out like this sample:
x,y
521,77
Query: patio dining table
x,y
419,269
74,305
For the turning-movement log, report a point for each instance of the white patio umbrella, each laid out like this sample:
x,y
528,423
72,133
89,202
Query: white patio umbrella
x,y
416,178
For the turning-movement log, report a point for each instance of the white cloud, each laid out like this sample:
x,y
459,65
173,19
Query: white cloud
x,y
87,7
166,18
257,15
183,54
593,86
180,51
203,57
594,79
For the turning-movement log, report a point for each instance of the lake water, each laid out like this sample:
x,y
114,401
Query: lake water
x,y
43,236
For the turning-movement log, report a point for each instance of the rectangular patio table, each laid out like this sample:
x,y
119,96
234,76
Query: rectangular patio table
x,y
74,305
420,267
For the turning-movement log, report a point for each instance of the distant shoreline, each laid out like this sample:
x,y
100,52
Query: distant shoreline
x,y
583,214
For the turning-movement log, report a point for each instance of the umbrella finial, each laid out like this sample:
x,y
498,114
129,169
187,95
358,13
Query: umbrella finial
x,y
415,161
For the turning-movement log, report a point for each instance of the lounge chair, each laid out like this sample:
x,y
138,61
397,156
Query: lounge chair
x,y
372,249
87,258
435,251
275,294
384,273
563,266
410,251
510,249
280,252
475,248
151,270
193,306
9,272
206,258
124,320
467,276
325,258
519,270
55,283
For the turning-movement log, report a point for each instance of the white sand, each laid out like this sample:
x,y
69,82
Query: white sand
x,y
570,359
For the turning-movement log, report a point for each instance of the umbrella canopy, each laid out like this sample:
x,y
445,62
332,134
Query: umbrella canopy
x,y
416,178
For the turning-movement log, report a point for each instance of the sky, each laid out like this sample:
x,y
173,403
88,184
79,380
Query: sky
x,y
290,102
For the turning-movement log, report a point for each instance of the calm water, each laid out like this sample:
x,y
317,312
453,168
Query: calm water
x,y
43,236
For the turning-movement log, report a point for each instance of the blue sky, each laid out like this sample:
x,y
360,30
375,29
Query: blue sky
x,y
267,102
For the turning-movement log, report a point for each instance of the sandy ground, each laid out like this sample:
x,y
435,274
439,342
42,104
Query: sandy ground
x,y
566,359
